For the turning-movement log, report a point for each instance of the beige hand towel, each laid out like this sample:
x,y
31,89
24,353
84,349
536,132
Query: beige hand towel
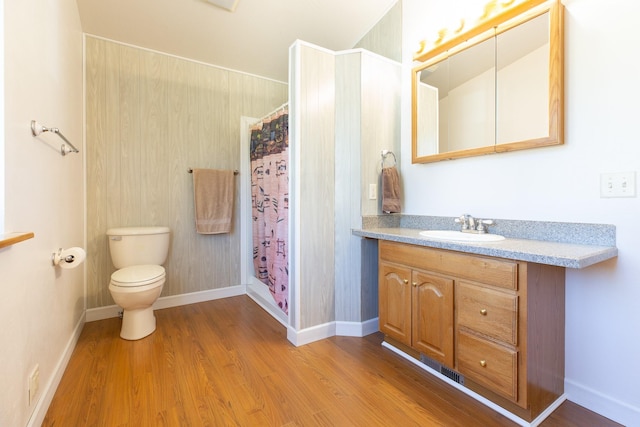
x,y
390,190
213,197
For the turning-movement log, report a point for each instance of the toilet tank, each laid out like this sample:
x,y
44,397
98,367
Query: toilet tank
x,y
138,245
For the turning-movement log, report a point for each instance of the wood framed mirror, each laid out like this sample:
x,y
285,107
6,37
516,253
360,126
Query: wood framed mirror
x,y
496,87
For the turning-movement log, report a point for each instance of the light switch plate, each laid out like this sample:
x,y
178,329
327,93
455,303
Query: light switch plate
x,y
618,184
373,192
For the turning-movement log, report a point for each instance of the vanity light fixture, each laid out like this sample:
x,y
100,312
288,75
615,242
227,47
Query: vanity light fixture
x,y
229,5
492,11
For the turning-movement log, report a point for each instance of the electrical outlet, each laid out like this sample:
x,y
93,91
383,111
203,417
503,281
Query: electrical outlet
x,y
34,384
373,192
618,184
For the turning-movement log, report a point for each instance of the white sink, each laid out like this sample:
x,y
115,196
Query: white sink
x,y
459,236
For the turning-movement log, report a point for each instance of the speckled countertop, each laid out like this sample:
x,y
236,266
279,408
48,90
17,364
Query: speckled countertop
x,y
568,245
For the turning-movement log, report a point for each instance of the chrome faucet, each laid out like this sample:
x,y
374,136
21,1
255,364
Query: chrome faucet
x,y
467,221
472,225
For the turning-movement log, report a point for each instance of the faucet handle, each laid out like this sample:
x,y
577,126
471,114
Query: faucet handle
x,y
464,220
482,223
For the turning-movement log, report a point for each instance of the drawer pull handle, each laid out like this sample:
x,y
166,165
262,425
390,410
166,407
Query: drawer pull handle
x,y
483,363
483,311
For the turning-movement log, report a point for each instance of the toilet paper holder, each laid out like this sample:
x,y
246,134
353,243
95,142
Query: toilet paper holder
x,y
56,258
59,257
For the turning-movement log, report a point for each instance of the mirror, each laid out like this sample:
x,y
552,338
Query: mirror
x,y
497,87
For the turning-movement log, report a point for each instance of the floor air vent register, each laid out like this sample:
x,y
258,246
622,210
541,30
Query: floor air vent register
x,y
436,366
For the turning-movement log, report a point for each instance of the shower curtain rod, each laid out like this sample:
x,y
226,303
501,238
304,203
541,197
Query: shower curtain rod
x,y
280,108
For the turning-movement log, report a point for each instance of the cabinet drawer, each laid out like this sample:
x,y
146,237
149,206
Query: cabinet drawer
x,y
488,364
489,312
492,271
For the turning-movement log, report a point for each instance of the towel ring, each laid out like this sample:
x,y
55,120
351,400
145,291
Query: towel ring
x,y
384,154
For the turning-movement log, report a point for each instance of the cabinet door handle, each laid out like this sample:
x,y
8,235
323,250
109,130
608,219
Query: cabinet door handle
x,y
406,281
414,284
483,363
483,311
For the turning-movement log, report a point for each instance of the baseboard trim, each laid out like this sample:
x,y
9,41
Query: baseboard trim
x,y
357,329
615,410
49,390
330,329
309,335
111,311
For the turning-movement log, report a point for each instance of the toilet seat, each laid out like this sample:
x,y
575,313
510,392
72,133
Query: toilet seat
x,y
137,275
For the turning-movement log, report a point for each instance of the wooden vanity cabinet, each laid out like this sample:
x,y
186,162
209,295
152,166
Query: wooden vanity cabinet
x,y
416,309
499,323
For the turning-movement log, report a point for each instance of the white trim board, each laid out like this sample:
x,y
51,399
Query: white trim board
x,y
108,312
330,329
49,390
602,404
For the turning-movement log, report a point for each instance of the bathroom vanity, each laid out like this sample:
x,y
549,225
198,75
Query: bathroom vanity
x,y
490,316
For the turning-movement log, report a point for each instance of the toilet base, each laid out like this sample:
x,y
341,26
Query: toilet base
x,y
137,323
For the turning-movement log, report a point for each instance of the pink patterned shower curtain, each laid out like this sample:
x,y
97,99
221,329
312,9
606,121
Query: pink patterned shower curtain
x,y
270,204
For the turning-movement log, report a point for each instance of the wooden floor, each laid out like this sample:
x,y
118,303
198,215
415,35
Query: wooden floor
x,y
228,363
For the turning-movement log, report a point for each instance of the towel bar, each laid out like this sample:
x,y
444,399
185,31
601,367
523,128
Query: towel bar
x,y
190,170
37,129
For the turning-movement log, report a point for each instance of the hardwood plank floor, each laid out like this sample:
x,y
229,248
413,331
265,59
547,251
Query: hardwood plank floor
x,y
228,363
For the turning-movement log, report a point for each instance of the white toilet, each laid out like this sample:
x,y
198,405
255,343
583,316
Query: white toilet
x,y
138,253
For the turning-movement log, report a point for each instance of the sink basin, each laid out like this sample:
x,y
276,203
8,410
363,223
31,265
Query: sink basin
x,y
459,236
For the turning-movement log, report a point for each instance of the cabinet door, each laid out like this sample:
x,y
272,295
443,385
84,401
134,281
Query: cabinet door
x,y
433,316
395,302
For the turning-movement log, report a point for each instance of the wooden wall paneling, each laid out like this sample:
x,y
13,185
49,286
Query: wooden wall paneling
x,y
219,151
154,151
130,136
385,38
316,171
238,107
113,161
210,263
113,149
180,192
96,87
189,269
206,265
294,142
347,184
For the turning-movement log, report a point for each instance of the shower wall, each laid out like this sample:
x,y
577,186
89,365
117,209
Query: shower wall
x,y
150,117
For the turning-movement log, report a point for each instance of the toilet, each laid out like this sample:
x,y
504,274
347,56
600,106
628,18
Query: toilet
x,y
138,253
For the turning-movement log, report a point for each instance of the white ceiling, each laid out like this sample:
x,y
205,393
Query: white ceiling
x,y
255,38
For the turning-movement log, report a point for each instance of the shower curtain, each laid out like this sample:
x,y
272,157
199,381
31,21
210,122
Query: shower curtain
x,y
270,204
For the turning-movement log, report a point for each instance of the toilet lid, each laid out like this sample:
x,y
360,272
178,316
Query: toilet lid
x,y
137,275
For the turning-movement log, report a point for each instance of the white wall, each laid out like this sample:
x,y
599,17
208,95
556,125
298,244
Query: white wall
x,y
40,307
562,184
